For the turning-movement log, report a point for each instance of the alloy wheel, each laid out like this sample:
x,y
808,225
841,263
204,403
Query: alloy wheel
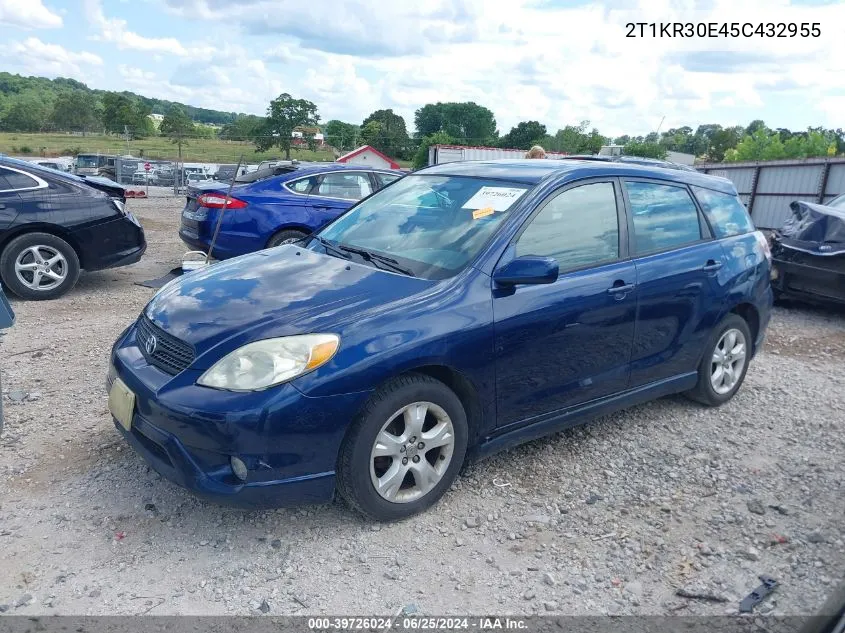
x,y
728,361
41,267
412,452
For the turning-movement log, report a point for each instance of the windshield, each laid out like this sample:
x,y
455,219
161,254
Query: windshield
x,y
87,161
838,202
432,225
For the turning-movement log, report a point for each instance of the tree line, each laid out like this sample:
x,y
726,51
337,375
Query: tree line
x,y
31,104
37,104
473,124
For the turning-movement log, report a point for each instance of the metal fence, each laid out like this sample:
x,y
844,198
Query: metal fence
x,y
767,187
130,171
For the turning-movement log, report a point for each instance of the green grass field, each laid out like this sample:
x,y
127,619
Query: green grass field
x,y
196,151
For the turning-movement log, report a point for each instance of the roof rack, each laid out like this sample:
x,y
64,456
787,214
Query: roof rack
x,y
635,160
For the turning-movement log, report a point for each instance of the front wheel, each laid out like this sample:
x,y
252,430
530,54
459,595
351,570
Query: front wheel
x,y
404,450
725,362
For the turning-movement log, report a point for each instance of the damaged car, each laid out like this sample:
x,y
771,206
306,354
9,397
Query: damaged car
x,y
53,225
808,253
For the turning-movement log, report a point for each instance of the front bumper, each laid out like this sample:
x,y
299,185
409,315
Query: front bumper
x,y
288,441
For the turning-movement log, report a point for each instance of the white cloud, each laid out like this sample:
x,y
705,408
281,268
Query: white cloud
x,y
32,56
29,14
115,31
524,59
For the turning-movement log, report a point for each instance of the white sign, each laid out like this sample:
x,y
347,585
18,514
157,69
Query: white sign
x,y
497,198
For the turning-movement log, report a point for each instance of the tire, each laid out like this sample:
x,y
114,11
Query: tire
x,y
415,486
709,391
285,237
24,251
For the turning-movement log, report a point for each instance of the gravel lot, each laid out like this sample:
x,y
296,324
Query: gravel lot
x,y
612,518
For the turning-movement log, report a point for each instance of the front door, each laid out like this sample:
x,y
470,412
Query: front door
x,y
568,342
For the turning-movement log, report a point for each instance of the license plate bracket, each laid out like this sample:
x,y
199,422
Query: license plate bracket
x,y
122,403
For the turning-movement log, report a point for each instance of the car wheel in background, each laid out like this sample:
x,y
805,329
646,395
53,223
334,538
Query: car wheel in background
x,y
725,362
39,266
285,237
404,450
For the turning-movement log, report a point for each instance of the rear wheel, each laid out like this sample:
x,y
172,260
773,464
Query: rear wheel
x,y
39,266
725,362
285,237
405,449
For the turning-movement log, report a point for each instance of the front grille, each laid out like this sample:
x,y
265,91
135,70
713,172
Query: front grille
x,y
169,353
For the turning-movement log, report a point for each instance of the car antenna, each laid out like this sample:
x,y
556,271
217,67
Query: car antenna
x,y
188,265
223,210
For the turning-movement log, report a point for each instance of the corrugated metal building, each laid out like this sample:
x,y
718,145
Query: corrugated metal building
x,y
450,153
767,187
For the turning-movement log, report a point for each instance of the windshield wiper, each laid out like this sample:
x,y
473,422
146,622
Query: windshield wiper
x,y
329,246
324,243
375,257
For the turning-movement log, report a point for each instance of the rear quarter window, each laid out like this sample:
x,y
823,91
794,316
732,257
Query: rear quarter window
x,y
726,213
15,180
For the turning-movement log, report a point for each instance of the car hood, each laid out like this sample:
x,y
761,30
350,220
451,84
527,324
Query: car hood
x,y
276,292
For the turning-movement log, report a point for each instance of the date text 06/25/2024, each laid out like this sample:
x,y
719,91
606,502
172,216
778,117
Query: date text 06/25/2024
x,y
723,29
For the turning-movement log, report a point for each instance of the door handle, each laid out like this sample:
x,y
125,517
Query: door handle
x,y
620,288
712,265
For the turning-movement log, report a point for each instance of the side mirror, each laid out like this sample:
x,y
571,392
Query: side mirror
x,y
528,269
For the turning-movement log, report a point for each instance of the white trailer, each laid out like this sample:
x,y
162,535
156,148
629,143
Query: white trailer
x,y
450,153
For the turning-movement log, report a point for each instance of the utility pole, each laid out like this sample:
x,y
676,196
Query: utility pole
x,y
126,138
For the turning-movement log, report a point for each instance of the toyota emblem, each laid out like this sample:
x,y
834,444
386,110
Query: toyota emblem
x,y
150,345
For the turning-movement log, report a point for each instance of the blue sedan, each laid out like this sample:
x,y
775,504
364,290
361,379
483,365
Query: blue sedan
x,y
462,310
276,209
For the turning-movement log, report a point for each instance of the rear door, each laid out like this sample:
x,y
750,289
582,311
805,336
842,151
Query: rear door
x,y
335,192
678,266
568,342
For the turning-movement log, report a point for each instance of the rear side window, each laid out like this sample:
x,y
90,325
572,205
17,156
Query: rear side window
x,y
303,185
664,216
347,186
726,213
16,180
579,227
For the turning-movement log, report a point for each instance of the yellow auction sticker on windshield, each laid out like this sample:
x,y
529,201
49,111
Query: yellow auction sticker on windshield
x,y
482,213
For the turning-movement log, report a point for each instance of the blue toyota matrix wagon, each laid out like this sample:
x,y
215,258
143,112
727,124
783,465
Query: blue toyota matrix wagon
x,y
462,309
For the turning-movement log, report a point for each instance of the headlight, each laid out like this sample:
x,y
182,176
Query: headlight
x,y
269,362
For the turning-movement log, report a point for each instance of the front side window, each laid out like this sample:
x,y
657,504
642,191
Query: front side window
x,y
664,217
432,225
343,185
17,180
386,179
725,212
578,227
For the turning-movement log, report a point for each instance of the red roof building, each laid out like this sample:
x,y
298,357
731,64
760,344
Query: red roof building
x,y
369,156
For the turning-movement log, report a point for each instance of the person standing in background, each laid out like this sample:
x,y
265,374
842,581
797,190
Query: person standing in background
x,y
536,152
